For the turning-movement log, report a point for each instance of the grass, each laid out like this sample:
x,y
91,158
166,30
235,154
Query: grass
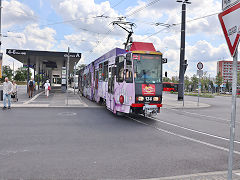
x,y
206,95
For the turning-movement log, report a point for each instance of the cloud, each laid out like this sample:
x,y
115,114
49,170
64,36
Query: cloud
x,y
16,14
86,14
33,38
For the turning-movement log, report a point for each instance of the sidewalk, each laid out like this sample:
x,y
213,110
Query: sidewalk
x,y
59,99
204,176
56,99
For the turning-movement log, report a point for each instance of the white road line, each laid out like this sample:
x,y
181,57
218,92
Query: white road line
x,y
35,97
225,120
192,130
185,137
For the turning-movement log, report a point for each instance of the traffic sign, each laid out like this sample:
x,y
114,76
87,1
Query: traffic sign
x,y
200,65
230,23
200,73
228,3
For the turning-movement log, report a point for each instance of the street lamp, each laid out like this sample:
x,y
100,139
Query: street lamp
x,y
182,67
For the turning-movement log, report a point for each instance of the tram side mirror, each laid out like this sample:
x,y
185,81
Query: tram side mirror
x,y
164,60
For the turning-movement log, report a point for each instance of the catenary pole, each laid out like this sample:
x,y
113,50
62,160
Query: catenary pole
x,y
233,115
0,25
68,59
182,54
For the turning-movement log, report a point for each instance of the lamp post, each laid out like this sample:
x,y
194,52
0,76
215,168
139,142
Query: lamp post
x,y
182,51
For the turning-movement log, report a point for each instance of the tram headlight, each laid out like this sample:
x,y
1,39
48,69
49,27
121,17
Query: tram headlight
x,y
140,98
156,98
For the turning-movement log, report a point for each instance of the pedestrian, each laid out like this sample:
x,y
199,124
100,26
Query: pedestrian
x,y
47,88
31,86
7,90
14,92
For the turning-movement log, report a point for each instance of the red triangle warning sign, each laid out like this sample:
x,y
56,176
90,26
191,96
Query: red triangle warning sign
x,y
230,22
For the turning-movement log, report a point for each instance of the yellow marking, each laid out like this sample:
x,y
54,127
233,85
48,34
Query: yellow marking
x,y
147,52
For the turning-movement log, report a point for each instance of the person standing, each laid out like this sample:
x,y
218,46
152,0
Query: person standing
x,y
7,90
14,92
47,88
31,86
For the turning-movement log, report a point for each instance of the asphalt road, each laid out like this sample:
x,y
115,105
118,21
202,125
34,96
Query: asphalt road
x,y
92,143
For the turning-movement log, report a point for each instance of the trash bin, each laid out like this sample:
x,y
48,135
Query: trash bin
x,y
1,95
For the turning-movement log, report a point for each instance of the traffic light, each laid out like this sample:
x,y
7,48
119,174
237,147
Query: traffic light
x,y
165,73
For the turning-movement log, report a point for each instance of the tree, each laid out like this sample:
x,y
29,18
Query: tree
x,y
187,82
174,79
228,86
81,66
21,74
219,80
6,72
166,79
194,82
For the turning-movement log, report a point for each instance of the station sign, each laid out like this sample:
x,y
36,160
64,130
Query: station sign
x,y
230,23
16,52
73,55
226,4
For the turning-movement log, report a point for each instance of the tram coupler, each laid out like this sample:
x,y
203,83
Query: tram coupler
x,y
150,110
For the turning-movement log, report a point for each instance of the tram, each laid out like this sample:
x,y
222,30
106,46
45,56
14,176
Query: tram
x,y
126,81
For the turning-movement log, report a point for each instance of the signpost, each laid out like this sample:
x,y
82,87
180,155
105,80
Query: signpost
x,y
229,20
200,74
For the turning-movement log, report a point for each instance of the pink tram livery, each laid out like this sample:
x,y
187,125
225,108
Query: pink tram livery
x,y
125,81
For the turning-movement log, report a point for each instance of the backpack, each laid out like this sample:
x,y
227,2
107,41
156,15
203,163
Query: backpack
x,y
31,83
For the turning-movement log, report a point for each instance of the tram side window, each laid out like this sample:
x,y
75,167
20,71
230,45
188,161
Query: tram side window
x,y
120,68
105,71
90,79
96,81
101,71
128,59
129,76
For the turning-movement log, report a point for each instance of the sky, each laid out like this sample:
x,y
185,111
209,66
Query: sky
x,y
86,27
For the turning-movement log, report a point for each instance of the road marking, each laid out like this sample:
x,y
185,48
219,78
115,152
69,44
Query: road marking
x,y
192,130
213,117
185,137
35,97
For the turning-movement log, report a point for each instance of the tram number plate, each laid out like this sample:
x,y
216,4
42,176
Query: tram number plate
x,y
148,98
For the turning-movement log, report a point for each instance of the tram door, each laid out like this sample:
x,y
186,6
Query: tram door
x,y
111,74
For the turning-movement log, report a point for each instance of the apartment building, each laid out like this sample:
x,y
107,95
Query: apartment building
x,y
225,68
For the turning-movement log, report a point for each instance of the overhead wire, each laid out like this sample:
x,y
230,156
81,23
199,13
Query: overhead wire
x,y
172,25
131,14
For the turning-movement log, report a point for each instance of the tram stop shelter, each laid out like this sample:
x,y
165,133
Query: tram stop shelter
x,y
46,64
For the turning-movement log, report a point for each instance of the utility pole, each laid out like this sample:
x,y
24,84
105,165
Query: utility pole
x,y
74,84
0,25
68,59
182,51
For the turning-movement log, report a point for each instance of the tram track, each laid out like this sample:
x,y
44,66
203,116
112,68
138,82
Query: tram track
x,y
196,136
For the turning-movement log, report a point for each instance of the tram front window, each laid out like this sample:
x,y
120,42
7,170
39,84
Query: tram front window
x,y
147,68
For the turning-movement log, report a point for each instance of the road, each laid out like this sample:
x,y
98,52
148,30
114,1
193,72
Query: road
x,y
92,143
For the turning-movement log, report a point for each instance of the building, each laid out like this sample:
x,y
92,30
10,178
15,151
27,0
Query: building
x,y
225,68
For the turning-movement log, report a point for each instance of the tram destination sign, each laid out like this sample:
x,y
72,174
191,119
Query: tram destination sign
x,y
228,3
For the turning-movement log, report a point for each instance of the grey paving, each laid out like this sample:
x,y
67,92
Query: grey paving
x,y
88,142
